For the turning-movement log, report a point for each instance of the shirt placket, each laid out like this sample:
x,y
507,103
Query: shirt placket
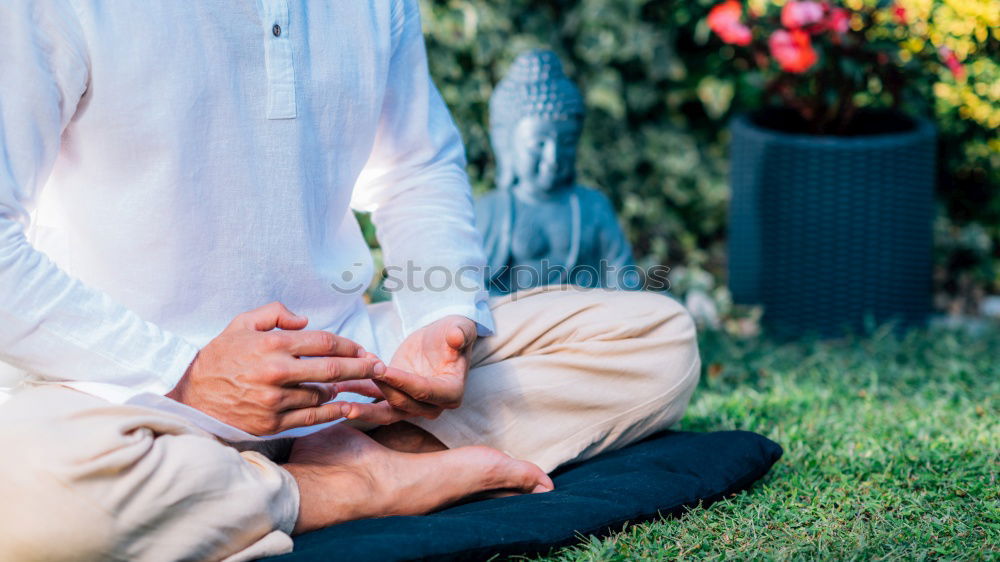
x,y
278,59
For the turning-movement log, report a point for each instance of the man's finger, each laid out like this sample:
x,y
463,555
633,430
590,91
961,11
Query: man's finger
x,y
380,413
363,387
316,343
331,369
440,391
305,417
304,397
269,317
406,403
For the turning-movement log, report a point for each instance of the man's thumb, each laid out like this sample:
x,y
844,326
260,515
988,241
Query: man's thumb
x,y
460,336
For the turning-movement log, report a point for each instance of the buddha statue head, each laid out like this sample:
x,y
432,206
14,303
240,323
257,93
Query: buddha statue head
x,y
536,117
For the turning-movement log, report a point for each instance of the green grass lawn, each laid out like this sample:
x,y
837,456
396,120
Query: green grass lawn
x,y
891,451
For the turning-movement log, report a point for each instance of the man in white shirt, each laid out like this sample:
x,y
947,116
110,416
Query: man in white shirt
x,y
167,169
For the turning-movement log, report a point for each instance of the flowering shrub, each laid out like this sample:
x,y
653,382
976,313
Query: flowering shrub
x,y
967,111
660,91
827,54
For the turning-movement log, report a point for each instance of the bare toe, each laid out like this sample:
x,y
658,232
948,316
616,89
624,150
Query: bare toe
x,y
506,473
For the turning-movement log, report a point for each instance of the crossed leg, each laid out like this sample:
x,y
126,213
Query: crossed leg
x,y
83,479
569,374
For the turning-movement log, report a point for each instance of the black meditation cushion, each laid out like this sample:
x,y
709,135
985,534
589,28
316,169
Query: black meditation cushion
x,y
662,475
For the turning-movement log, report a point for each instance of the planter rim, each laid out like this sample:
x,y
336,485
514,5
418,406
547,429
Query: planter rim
x,y
922,130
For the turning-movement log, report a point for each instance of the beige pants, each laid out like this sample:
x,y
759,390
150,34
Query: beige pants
x,y
570,373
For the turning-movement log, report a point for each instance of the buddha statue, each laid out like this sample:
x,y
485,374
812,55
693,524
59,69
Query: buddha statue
x,y
539,226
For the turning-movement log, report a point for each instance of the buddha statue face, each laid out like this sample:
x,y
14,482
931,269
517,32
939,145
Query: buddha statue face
x,y
536,115
544,154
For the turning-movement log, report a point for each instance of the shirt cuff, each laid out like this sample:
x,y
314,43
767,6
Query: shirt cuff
x,y
479,313
168,373
178,364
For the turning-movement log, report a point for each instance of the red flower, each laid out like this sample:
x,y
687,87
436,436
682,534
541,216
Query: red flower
x,y
724,20
839,20
724,15
952,62
900,13
796,15
793,50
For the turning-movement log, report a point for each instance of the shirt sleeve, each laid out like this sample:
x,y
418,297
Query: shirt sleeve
x,y
416,188
51,324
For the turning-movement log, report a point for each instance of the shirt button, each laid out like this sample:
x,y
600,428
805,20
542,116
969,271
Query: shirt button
x,y
276,30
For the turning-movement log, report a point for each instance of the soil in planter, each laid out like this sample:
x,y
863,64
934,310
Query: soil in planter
x,y
865,123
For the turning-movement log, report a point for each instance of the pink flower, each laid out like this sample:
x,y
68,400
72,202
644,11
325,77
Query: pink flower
x,y
724,20
839,21
793,50
952,62
900,13
724,15
738,34
796,15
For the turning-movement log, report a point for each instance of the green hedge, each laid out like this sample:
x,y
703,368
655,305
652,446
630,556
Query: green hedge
x,y
660,91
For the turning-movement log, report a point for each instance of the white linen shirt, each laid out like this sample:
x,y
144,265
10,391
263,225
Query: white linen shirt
x,y
166,166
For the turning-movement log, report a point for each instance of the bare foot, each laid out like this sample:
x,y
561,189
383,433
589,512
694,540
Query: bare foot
x,y
345,475
407,438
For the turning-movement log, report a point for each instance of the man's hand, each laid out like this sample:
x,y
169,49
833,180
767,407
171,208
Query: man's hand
x,y
425,377
256,379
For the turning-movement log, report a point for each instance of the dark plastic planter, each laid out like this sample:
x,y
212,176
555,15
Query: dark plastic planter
x,y
829,232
